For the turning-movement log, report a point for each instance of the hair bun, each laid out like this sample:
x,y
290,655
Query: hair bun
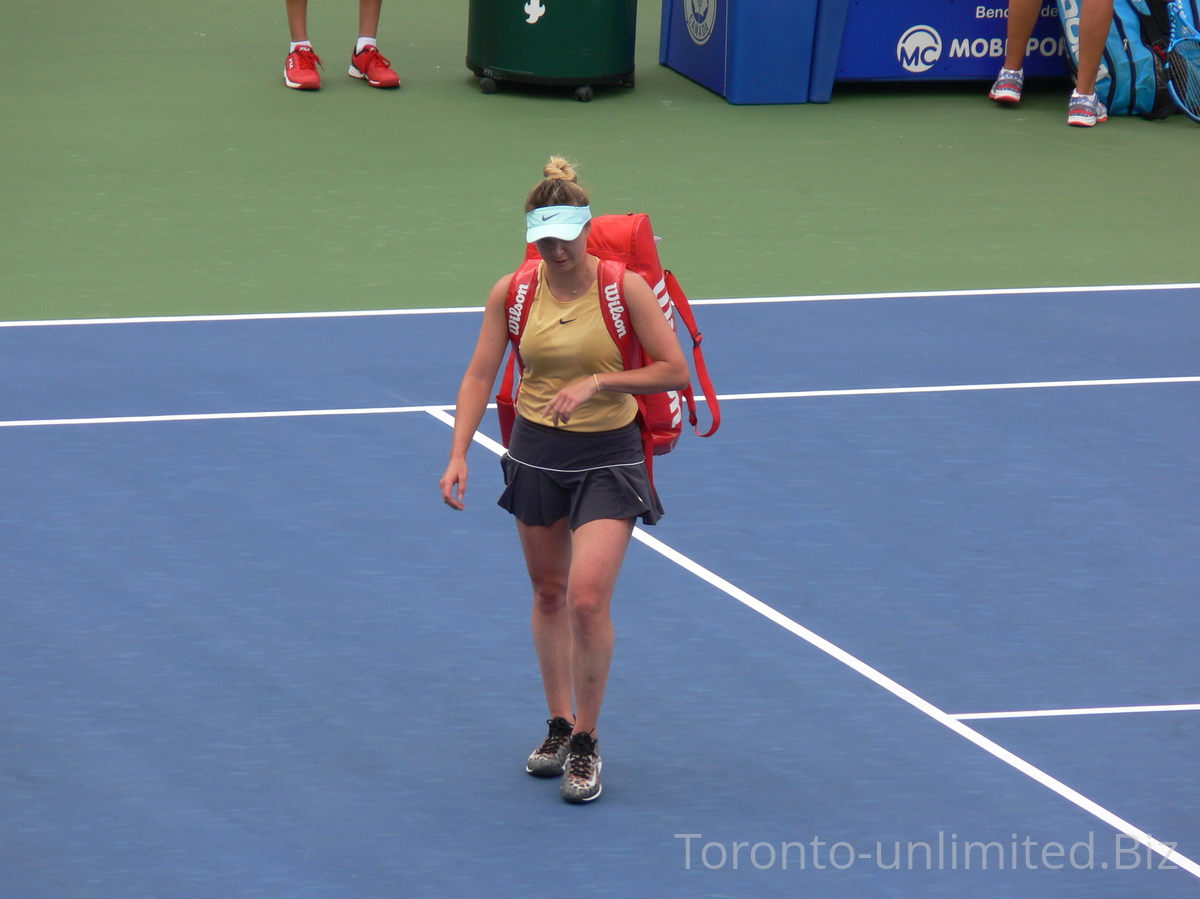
x,y
559,186
560,169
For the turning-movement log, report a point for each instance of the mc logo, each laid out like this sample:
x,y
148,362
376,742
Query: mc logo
x,y
919,48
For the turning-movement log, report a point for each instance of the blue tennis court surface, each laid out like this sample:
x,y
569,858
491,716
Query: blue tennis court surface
x,y
246,651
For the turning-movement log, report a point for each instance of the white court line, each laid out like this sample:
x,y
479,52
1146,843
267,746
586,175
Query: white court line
x,y
888,684
214,416
1055,713
390,410
729,301
234,317
956,388
919,295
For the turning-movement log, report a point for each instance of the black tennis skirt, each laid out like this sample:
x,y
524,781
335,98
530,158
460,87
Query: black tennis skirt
x,y
551,474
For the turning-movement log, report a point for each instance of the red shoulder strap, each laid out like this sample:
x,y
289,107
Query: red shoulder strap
x,y
610,279
521,290
684,309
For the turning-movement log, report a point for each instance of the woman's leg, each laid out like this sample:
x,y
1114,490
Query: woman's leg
x,y
368,17
297,16
1095,21
548,559
574,575
597,551
1022,19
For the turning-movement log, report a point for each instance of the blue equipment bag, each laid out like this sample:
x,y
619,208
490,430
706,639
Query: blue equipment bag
x,y
1130,80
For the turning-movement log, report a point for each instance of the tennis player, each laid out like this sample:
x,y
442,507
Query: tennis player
x,y
575,472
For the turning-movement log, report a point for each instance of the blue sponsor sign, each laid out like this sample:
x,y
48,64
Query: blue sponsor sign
x,y
941,40
693,40
749,51
792,51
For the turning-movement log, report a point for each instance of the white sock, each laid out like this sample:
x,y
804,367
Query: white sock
x,y
363,43
296,44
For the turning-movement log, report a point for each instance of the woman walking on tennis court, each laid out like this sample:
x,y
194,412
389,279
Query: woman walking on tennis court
x,y
575,471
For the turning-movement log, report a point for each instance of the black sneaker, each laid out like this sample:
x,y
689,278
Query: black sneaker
x,y
548,759
581,779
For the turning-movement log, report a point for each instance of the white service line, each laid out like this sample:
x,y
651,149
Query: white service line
x,y
886,683
391,410
929,294
956,388
728,301
443,415
232,317
1056,713
214,416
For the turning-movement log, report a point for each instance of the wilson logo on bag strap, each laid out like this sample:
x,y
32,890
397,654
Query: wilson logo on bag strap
x,y
620,242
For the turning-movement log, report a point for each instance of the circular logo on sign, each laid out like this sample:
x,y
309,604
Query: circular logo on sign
x,y
919,48
701,18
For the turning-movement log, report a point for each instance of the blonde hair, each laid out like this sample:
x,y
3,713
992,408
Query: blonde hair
x,y
559,187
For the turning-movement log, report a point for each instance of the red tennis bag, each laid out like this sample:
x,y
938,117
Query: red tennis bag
x,y
620,242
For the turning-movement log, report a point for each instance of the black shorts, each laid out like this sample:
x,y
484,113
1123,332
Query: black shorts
x,y
552,474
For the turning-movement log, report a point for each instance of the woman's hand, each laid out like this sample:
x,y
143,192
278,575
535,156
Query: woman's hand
x,y
570,398
454,484
473,393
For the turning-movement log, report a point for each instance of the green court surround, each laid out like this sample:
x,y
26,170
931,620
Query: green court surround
x,y
154,163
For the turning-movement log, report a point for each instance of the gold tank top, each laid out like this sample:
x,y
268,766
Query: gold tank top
x,y
563,343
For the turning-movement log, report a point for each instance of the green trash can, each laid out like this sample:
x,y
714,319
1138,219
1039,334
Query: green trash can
x,y
575,43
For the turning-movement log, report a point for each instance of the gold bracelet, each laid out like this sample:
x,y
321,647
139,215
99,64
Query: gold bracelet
x,y
596,378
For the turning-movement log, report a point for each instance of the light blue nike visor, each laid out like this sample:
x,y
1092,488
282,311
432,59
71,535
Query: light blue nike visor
x,y
563,222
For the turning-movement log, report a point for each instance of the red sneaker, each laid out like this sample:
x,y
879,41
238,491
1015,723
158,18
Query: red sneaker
x,y
300,71
374,67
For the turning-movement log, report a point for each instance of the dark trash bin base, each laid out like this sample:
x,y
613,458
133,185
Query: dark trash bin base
x,y
624,79
556,44
490,81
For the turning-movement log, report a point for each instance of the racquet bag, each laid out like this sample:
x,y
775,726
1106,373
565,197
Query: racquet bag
x,y
1131,80
620,242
